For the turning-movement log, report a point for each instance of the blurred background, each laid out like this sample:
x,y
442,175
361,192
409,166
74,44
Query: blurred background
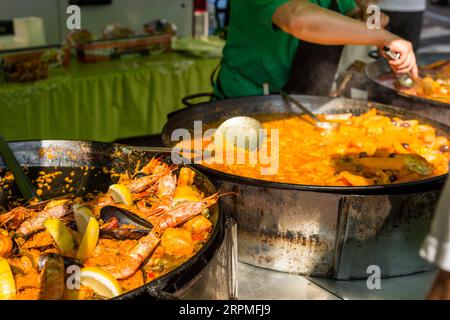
x,y
119,77
98,13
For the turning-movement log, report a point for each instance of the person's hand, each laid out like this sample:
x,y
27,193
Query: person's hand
x,y
406,63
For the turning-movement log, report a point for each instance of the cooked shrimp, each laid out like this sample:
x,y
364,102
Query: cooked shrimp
x,y
165,193
184,211
14,218
166,188
37,223
154,171
143,249
147,244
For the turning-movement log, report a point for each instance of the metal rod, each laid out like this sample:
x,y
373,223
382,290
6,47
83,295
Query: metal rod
x,y
288,97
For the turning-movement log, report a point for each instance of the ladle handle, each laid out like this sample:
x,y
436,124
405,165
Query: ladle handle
x,y
23,183
288,97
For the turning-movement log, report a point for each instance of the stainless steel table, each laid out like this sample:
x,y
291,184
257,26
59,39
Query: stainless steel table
x,y
257,283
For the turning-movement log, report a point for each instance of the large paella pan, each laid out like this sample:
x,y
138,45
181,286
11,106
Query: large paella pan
x,y
123,226
338,218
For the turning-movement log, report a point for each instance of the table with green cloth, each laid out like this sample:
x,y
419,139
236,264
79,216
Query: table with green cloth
x,y
103,101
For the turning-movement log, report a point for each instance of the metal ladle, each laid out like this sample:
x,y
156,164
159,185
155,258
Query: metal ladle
x,y
245,132
405,80
250,128
317,122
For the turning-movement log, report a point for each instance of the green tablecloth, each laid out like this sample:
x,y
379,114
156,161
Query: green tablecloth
x,y
104,101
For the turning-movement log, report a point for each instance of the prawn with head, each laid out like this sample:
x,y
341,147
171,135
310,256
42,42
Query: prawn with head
x,y
26,221
145,183
168,193
180,213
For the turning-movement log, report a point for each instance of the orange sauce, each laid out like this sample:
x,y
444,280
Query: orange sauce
x,y
364,150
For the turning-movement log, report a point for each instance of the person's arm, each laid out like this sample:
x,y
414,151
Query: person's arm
x,y
441,287
436,247
311,23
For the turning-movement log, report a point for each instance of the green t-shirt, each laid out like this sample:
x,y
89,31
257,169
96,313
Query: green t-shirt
x,y
255,51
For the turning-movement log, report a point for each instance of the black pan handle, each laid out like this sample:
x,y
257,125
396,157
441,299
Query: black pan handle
x,y
22,181
187,102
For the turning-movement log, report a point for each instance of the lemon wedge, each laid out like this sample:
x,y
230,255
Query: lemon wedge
x,y
61,234
102,282
82,216
121,194
7,284
89,241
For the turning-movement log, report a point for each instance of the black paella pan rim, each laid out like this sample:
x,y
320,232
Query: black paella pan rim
x,y
164,286
378,64
400,188
428,184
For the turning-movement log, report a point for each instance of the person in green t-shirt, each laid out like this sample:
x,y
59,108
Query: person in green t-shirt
x,y
264,36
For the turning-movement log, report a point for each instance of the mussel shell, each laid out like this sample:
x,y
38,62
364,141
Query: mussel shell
x,y
73,225
71,262
124,217
17,239
52,276
44,258
124,233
